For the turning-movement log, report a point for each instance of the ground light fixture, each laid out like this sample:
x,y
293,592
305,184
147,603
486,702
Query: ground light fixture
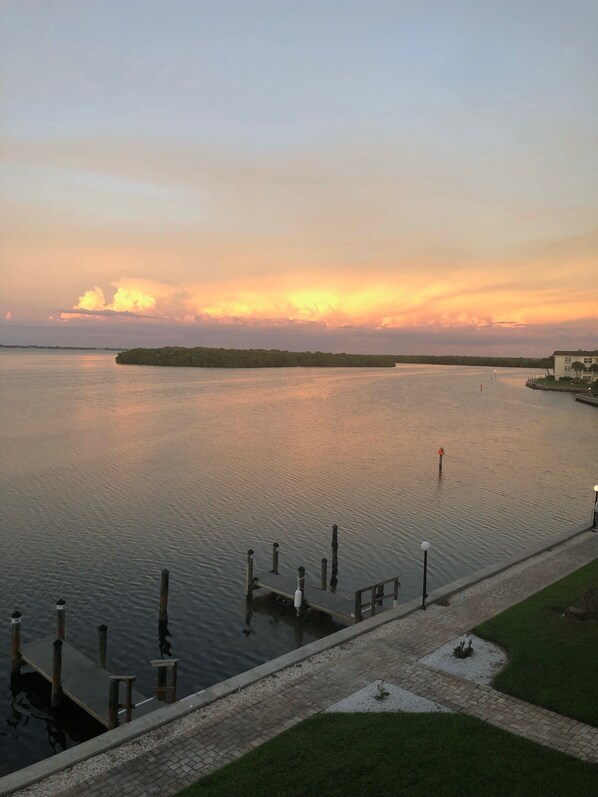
x,y
425,546
595,514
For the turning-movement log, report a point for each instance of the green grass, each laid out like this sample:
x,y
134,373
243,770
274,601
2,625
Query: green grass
x,y
415,755
553,659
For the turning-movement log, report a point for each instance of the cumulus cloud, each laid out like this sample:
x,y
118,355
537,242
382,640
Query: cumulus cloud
x,y
131,299
459,300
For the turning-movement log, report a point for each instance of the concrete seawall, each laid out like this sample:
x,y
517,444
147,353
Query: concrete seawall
x,y
593,400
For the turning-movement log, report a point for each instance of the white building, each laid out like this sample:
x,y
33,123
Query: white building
x,y
563,361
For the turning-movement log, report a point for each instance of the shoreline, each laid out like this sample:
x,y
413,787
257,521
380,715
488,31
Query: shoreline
x,y
126,743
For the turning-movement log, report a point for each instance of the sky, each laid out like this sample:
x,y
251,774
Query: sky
x,y
364,176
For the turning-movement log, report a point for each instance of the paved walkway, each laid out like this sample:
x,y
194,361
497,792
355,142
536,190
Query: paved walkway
x,y
165,760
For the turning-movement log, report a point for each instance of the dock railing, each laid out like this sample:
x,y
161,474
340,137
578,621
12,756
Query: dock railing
x,y
377,595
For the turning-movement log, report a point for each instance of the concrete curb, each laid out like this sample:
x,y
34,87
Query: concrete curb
x,y
126,733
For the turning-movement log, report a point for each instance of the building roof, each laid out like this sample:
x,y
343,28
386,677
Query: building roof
x,y
578,353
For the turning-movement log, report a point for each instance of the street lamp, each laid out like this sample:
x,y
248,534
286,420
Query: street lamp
x,y
595,518
425,548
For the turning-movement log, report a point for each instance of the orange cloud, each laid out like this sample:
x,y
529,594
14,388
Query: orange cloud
x,y
459,299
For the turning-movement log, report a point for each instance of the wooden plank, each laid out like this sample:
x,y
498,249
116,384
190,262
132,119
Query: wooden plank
x,y
83,681
335,604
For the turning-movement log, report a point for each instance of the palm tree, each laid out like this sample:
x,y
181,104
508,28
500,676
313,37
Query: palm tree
x,y
579,368
594,369
547,364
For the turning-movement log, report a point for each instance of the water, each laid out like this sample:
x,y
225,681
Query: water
x,y
110,473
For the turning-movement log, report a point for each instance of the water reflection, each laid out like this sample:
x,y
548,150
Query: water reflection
x,y
110,473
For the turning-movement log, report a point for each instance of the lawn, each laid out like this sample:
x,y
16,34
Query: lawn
x,y
553,658
415,755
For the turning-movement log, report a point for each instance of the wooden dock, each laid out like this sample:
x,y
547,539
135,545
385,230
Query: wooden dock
x,y
338,605
346,609
83,681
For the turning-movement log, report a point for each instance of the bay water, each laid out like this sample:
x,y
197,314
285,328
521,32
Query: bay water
x,y
110,473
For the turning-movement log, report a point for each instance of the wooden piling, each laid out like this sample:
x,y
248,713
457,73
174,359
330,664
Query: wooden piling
x,y
61,619
174,680
275,547
357,610
113,702
301,579
323,573
57,674
249,580
440,455
16,642
166,693
162,675
334,574
164,596
103,646
395,593
380,595
301,588
129,697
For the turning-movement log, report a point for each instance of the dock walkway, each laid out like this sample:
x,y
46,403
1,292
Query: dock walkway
x,y
83,681
336,604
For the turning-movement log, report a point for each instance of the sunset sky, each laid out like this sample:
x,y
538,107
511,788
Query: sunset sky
x,y
364,176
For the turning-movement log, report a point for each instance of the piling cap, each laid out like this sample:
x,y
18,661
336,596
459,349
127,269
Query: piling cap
x,y
60,603
16,615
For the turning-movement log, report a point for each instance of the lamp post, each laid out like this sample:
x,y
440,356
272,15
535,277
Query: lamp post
x,y
595,518
425,548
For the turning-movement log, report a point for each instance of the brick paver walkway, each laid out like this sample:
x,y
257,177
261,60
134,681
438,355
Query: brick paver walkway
x,y
169,758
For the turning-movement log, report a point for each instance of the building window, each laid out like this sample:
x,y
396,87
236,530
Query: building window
x,y
567,359
587,360
567,368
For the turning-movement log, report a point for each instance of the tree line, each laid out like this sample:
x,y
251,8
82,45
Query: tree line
x,y
203,357
457,359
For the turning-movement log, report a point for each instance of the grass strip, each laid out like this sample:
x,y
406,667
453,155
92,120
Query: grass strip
x,y
552,656
415,755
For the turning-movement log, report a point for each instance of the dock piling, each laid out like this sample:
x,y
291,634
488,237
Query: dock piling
x,y
395,593
300,589
129,698
16,642
102,646
57,674
334,574
165,693
249,580
275,547
164,596
113,701
61,619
